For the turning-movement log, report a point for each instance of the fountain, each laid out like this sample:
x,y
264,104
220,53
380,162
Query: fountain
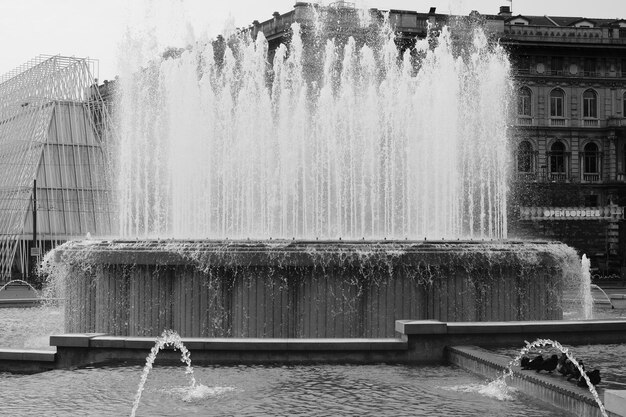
x,y
327,195
323,195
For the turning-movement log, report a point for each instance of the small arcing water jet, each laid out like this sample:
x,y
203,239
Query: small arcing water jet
x,y
539,343
167,338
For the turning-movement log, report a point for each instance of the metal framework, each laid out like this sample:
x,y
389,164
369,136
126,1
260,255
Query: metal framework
x,y
52,127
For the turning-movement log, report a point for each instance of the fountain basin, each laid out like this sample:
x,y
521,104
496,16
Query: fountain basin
x,y
305,289
264,391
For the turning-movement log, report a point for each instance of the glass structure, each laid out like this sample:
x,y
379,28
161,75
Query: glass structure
x,y
53,184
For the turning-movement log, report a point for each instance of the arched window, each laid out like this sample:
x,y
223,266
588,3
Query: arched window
x,y
590,104
558,162
591,162
524,103
524,157
557,99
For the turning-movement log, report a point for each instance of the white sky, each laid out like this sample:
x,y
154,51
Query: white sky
x,y
86,28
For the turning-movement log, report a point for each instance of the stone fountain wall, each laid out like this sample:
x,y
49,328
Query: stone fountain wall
x,y
306,289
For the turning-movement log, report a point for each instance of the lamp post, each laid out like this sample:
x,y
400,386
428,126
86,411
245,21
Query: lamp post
x,y
34,251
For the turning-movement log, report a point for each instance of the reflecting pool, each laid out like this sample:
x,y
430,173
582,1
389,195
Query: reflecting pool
x,y
30,328
377,390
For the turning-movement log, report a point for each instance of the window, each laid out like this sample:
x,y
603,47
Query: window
x,y
556,103
590,66
590,104
557,160
523,64
591,163
523,102
519,21
525,157
556,65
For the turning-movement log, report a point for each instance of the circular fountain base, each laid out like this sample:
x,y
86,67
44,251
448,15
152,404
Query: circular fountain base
x,y
291,289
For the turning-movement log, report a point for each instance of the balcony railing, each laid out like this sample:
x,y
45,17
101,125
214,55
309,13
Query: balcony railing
x,y
561,34
558,122
524,121
557,176
591,177
591,123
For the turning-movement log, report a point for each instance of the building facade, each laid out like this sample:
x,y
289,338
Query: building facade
x,y
570,133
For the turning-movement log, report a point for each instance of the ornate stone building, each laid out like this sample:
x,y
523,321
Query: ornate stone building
x,y
569,132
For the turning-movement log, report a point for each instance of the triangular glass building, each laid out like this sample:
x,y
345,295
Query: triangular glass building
x,y
52,125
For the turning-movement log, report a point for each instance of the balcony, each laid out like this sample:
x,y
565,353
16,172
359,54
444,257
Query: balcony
x,y
576,35
591,123
558,122
524,121
557,176
591,177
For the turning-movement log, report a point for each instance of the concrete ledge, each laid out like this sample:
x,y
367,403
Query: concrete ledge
x,y
520,328
428,339
27,355
73,339
552,389
421,327
98,340
530,327
492,327
615,402
26,361
91,349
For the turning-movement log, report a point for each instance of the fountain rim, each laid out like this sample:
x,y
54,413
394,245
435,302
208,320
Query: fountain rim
x,y
283,252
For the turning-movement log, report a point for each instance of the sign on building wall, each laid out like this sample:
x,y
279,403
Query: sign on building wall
x,y
611,212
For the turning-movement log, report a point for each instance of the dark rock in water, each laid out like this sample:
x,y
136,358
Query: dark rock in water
x,y
549,364
524,362
535,363
594,377
573,371
562,365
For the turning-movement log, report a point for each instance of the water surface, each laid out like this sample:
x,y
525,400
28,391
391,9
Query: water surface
x,y
333,390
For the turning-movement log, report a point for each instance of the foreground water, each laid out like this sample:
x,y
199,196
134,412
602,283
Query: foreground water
x,y
379,390
30,328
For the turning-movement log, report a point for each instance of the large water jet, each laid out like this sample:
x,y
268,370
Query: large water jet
x,y
337,138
